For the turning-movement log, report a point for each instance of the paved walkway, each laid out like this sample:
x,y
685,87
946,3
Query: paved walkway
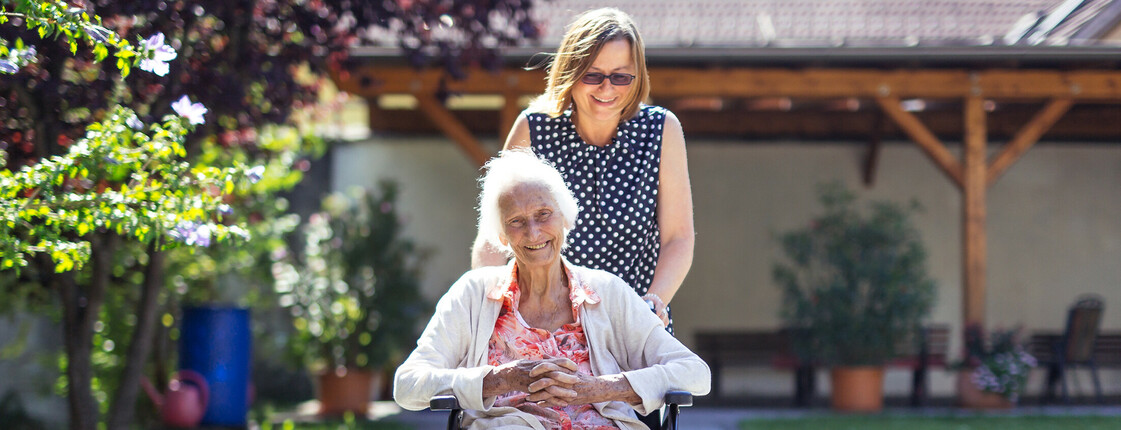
x,y
707,418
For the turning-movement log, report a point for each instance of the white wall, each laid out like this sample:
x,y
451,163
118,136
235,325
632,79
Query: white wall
x,y
1054,227
30,370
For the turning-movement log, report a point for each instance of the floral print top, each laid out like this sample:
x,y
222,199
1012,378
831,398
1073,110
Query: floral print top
x,y
514,339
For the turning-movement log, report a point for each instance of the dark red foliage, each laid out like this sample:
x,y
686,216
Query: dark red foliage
x,y
237,58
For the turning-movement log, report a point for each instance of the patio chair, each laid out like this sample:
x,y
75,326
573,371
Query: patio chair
x,y
674,401
1076,346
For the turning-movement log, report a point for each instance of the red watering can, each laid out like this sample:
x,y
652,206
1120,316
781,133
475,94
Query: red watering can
x,y
184,404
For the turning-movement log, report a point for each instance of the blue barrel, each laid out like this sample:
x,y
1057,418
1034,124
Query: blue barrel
x,y
215,341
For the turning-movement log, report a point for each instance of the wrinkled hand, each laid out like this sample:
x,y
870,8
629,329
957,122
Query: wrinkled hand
x,y
548,382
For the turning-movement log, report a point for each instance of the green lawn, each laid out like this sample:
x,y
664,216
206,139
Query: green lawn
x,y
340,425
935,423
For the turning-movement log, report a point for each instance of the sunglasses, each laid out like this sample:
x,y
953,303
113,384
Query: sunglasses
x,y
617,79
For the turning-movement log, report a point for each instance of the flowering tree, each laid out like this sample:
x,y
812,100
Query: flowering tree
x,y
120,180
103,174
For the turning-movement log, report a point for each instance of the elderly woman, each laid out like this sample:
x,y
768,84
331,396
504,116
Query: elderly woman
x,y
541,343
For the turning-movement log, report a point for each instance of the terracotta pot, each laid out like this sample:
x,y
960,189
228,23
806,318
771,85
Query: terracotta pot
x,y
969,396
857,388
345,390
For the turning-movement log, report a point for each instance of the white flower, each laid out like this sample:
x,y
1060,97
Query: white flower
x,y
192,111
255,174
160,55
134,123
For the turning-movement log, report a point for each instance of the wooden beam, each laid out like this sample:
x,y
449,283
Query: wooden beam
x,y
1046,84
452,128
923,137
509,114
973,222
1083,122
377,80
1027,136
754,82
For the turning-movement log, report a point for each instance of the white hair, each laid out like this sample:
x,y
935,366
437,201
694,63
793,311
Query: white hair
x,y
516,167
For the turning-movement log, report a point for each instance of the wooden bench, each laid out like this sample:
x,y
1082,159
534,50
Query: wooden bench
x,y
1106,353
772,349
1107,348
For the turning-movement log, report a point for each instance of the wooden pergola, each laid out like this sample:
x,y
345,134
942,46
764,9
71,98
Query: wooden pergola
x,y
1056,91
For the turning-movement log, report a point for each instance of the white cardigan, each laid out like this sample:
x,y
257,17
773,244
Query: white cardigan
x,y
623,337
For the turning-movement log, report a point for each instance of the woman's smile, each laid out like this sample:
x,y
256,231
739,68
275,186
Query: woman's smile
x,y
605,101
536,247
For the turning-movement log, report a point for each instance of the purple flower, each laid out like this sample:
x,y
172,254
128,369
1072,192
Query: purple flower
x,y
28,54
192,111
192,233
160,55
134,122
8,67
225,210
255,174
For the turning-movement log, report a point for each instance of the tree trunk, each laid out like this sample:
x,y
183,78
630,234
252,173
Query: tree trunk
x,y
79,372
81,309
123,408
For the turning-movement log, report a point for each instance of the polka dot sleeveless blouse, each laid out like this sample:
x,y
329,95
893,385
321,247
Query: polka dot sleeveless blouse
x,y
617,188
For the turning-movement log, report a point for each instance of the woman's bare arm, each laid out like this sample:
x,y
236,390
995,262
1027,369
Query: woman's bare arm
x,y
675,214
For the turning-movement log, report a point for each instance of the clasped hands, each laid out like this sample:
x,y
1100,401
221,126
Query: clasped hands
x,y
552,381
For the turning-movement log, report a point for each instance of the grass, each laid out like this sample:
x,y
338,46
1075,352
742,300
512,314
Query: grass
x,y
340,425
936,423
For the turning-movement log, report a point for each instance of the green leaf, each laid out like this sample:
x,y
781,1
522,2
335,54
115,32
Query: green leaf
x,y
100,52
43,32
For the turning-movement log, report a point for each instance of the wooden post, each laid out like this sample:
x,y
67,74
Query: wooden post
x,y
872,157
376,117
973,221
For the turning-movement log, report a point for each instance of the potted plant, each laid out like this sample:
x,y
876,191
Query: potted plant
x,y
854,287
995,370
353,294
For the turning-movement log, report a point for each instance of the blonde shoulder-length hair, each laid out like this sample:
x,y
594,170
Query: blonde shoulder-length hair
x,y
578,50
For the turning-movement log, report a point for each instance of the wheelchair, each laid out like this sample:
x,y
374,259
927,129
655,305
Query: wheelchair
x,y
674,401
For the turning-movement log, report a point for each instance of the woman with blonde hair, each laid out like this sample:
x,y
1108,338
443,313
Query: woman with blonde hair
x,y
623,160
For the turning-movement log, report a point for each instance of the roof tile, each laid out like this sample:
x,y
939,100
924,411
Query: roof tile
x,y
670,23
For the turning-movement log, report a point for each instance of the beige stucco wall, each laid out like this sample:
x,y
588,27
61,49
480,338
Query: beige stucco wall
x,y
1054,228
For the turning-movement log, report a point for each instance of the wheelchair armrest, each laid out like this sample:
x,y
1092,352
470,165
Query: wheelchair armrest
x,y
679,398
444,403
